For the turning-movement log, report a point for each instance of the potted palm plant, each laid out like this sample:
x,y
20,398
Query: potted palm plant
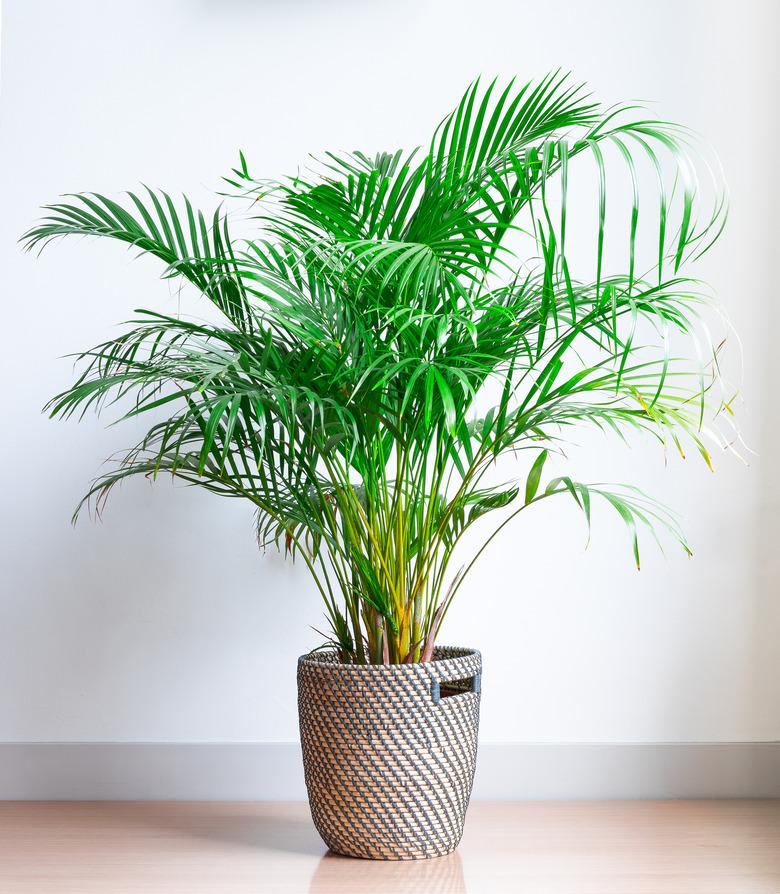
x,y
391,327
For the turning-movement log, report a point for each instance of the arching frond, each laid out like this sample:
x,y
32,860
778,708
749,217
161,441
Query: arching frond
x,y
395,323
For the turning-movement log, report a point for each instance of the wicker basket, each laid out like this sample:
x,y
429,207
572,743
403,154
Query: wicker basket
x,y
389,752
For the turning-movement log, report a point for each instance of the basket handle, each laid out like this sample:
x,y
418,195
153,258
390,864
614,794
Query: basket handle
x,y
476,686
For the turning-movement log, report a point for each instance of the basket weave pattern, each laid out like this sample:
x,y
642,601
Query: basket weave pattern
x,y
389,769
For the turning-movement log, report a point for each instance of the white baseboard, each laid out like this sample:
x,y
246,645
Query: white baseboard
x,y
272,771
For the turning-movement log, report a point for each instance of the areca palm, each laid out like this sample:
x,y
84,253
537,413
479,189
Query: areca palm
x,y
392,325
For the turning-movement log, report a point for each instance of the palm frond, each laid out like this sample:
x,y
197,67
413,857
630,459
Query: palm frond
x,y
397,323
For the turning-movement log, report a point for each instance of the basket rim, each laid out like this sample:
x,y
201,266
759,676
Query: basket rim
x,y
319,659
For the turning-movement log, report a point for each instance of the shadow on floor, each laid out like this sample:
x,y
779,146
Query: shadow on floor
x,y
240,827
289,834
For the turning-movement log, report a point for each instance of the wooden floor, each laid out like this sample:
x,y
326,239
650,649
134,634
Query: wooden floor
x,y
647,847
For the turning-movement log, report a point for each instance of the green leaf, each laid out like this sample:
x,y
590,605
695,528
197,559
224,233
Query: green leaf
x,y
534,477
487,500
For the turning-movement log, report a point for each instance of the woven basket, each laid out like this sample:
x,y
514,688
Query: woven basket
x,y
389,752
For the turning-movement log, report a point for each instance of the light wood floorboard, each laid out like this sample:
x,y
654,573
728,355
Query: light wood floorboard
x,y
640,847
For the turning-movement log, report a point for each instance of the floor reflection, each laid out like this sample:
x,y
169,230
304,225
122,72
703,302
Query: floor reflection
x,y
441,875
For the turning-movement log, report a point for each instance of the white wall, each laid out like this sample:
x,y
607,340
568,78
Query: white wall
x,y
163,623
